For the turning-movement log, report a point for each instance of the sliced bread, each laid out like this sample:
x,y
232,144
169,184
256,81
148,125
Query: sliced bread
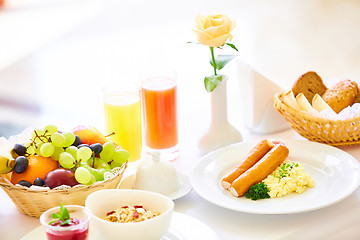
x,y
309,84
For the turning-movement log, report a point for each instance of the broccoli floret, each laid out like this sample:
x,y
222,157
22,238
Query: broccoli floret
x,y
258,191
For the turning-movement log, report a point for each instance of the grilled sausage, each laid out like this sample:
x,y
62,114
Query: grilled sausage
x,y
260,170
255,154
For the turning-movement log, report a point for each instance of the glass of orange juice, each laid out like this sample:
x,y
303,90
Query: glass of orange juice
x,y
159,105
123,117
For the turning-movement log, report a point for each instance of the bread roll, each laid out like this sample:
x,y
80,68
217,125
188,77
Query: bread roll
x,y
342,95
357,99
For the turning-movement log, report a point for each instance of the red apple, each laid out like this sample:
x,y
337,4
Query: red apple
x,y
89,135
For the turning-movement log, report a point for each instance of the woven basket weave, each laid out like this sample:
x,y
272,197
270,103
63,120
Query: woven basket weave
x,y
317,129
34,203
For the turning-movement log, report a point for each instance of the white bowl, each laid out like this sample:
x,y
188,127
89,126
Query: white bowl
x,y
104,201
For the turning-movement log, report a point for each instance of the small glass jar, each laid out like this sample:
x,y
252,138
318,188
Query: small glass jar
x,y
79,231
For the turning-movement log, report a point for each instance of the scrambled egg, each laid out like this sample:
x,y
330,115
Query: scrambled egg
x,y
288,177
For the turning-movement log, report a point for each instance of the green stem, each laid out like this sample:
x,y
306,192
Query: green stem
x,y
213,59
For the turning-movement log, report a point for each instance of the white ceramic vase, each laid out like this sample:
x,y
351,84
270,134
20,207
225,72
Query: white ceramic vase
x,y
220,132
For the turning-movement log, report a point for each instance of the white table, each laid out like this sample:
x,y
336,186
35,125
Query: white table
x,y
340,218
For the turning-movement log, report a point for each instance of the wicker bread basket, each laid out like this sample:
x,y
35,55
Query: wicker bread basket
x,y
317,129
35,202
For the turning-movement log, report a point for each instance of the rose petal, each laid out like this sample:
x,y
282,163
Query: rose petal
x,y
217,31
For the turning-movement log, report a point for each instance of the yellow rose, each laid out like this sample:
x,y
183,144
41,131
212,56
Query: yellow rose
x,y
214,30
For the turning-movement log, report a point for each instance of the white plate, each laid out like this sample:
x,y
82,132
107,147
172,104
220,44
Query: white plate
x,y
182,227
335,172
185,186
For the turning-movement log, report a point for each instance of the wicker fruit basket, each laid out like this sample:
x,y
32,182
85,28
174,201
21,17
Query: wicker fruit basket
x,y
34,202
317,129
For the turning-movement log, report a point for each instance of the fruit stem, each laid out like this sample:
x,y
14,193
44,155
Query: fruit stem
x,y
93,159
110,134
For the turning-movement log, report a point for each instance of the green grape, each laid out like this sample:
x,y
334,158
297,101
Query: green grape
x,y
73,151
66,160
58,139
121,155
84,153
69,138
108,151
38,147
30,150
114,164
47,149
82,175
57,152
50,129
92,180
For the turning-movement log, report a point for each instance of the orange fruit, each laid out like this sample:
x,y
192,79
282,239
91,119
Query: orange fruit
x,y
38,167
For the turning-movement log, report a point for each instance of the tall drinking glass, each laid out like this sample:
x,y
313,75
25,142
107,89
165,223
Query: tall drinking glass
x,y
159,101
123,117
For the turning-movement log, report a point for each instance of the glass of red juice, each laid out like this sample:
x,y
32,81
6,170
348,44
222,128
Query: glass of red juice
x,y
159,108
78,230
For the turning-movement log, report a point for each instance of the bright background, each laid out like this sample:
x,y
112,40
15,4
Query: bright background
x,y
55,56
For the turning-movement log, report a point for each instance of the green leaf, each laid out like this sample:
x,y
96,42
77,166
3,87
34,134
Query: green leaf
x,y
232,46
66,222
63,215
222,60
211,82
52,222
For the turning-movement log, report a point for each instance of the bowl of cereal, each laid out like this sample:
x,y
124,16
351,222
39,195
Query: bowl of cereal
x,y
130,214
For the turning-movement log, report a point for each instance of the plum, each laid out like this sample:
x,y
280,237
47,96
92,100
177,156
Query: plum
x,y
60,177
